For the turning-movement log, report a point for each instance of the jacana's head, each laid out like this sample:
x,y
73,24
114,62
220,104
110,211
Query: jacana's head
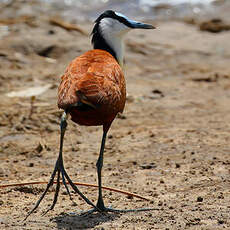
x,y
109,30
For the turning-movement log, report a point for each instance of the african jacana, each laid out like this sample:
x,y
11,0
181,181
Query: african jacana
x,y
93,92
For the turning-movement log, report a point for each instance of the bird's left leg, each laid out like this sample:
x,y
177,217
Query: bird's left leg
x,y
61,172
58,166
100,202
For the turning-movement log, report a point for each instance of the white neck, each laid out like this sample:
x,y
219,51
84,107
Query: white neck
x,y
117,44
113,32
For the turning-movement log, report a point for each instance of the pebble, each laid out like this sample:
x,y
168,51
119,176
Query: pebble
x,y
148,166
200,199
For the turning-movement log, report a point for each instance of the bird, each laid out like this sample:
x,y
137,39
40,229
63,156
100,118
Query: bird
x,y
92,92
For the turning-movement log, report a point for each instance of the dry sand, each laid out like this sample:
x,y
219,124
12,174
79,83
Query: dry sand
x,y
171,144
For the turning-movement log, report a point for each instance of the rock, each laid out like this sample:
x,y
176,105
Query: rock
x,y
215,25
200,199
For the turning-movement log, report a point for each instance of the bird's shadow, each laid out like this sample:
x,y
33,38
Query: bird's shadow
x,y
76,221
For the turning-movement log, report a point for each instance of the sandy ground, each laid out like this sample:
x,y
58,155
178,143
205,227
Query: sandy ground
x,y
171,144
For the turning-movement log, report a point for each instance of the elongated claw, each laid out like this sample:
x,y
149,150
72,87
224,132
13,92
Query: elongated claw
x,y
74,187
50,183
56,194
66,187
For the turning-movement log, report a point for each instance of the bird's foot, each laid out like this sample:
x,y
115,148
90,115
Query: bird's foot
x,y
60,171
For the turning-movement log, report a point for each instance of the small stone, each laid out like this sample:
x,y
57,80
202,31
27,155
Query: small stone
x,y
2,221
177,165
160,203
220,222
130,197
31,164
200,199
39,148
148,166
51,32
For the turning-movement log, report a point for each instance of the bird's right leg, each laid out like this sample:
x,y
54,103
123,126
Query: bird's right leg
x,y
59,169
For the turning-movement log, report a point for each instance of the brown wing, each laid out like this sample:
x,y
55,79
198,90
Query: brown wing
x,y
98,78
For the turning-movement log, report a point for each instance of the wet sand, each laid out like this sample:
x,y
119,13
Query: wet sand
x,y
171,144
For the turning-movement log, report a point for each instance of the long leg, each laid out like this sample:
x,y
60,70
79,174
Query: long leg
x,y
100,202
59,167
99,164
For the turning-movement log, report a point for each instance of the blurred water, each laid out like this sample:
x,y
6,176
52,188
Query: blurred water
x,y
175,2
82,10
147,9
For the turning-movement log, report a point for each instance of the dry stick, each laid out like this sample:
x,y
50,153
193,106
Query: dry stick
x,y
11,21
67,26
80,184
32,100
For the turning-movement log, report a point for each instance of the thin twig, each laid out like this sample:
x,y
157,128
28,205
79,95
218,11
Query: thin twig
x,y
32,100
79,184
66,25
11,21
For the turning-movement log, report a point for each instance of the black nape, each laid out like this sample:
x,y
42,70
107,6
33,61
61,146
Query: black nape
x,y
99,42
